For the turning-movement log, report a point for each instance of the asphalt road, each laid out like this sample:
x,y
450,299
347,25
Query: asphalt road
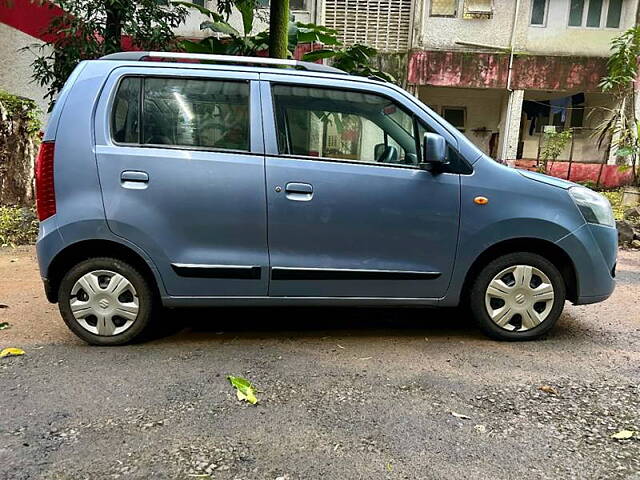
x,y
344,394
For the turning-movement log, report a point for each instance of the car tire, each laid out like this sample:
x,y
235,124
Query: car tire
x,y
518,296
106,301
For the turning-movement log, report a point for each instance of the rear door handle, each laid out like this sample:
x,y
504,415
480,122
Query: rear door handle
x,y
300,192
134,179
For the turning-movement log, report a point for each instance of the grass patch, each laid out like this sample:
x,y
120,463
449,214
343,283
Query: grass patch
x,y
18,226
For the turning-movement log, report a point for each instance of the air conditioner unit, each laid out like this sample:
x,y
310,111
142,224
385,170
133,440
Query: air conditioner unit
x,y
478,9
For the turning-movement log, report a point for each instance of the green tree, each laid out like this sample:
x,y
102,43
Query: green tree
x,y
92,28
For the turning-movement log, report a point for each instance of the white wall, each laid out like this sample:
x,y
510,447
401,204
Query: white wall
x,y
16,71
443,32
484,108
556,38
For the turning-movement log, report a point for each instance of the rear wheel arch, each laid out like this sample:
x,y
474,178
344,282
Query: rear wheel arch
x,y
549,250
83,250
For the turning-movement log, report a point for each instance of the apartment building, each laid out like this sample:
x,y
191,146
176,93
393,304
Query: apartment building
x,y
499,70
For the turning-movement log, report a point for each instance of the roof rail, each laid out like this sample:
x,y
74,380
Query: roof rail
x,y
140,56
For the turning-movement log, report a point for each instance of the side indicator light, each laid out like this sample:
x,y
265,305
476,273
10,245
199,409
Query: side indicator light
x,y
481,200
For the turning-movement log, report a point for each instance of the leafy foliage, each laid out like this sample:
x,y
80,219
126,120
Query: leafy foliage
x,y
92,28
355,59
622,66
226,40
553,146
621,130
23,108
18,226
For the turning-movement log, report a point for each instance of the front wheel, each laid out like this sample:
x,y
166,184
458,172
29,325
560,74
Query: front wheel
x,y
518,296
105,301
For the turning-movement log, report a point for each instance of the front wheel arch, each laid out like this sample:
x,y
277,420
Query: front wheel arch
x,y
549,250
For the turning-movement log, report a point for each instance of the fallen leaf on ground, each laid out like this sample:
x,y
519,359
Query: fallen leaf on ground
x,y
4,305
11,352
244,389
460,415
4,325
339,346
548,389
623,434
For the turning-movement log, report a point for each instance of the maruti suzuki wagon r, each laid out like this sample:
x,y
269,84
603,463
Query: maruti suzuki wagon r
x,y
254,181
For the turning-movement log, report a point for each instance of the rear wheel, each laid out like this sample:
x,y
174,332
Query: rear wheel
x,y
105,301
518,296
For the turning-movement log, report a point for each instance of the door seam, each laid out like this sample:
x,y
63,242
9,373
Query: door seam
x,y
261,84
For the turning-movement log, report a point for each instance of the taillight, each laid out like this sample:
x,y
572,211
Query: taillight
x,y
45,191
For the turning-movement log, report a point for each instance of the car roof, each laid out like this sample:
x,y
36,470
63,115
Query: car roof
x,y
232,62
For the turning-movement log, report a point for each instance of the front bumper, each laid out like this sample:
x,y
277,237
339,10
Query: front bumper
x,y
593,250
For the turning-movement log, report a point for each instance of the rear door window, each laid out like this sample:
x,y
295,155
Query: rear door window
x,y
125,119
178,112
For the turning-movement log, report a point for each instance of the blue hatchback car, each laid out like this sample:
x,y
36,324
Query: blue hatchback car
x,y
254,181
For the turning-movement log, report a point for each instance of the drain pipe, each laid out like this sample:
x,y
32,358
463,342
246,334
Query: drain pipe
x,y
512,43
509,74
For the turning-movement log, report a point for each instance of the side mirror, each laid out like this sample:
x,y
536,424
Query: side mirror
x,y
378,150
434,151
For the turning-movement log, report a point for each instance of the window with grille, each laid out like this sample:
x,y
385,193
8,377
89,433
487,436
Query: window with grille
x,y
383,24
443,8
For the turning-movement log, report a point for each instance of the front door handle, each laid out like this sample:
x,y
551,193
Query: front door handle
x,y
299,192
134,179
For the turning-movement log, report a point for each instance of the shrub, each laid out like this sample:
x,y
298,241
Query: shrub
x,y
18,226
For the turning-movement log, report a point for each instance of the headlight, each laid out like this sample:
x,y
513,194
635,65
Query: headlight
x,y
594,207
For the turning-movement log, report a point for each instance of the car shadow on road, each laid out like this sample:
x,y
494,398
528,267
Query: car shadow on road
x,y
308,322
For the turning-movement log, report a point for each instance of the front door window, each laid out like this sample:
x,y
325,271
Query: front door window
x,y
344,125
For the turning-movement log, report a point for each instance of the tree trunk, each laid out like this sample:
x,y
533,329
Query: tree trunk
x,y
113,27
18,149
278,29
